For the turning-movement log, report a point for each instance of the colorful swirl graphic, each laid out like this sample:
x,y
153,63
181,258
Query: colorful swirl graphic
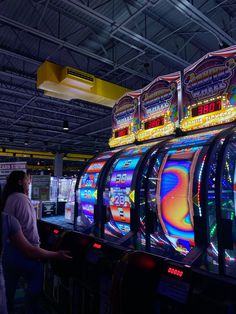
x,y
175,213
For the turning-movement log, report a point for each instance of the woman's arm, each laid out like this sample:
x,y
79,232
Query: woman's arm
x,y
19,240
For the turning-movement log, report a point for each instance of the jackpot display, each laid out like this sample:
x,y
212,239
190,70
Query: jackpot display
x,y
209,91
159,107
88,188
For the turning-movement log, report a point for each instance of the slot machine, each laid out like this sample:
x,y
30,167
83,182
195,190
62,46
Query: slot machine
x,y
181,195
124,187
89,193
190,193
120,185
208,117
99,257
88,250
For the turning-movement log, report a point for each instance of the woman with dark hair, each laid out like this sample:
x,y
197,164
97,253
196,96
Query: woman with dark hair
x,y
10,229
15,202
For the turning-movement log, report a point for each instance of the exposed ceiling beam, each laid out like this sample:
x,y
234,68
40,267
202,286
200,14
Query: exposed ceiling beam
x,y
18,56
94,126
18,76
167,25
68,45
202,20
125,31
40,110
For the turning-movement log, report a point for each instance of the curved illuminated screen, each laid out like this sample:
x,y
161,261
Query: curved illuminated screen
x,y
174,211
120,190
88,186
174,194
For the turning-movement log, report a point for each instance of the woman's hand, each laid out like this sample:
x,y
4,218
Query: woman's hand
x,y
63,256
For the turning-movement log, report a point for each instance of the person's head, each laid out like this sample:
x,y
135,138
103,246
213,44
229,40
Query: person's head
x,y
17,181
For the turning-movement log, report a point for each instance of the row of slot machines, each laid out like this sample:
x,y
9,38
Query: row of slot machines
x,y
163,212
154,219
168,198
174,198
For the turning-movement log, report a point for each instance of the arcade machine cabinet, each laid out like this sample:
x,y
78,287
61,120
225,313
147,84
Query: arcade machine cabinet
x,y
70,204
64,186
181,196
61,192
124,188
49,208
108,197
94,252
191,192
51,219
122,193
44,205
181,273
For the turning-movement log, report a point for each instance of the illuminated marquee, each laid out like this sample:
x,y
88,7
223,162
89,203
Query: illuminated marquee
x,y
159,107
209,91
124,120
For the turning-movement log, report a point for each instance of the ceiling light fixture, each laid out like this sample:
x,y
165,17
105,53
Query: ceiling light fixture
x,y
26,142
65,125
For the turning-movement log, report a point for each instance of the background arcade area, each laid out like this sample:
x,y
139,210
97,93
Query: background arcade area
x,y
153,223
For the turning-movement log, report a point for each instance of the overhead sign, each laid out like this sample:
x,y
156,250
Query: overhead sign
x,y
7,167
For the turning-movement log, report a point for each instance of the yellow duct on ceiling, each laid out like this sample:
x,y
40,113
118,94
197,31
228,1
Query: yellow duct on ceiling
x,y
69,83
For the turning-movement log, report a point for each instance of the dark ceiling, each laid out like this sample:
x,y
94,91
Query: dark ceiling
x,y
126,42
